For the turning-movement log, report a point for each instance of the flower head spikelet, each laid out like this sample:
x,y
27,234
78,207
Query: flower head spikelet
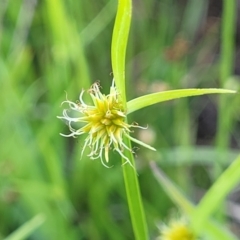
x,y
177,230
104,123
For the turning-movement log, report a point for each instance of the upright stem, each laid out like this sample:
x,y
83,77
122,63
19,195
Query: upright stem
x,y
226,70
134,198
118,52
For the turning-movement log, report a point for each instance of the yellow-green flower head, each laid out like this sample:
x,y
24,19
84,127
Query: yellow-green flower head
x,y
103,123
177,230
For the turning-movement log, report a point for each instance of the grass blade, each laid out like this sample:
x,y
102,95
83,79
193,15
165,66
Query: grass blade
x,y
217,193
153,98
27,228
119,44
216,232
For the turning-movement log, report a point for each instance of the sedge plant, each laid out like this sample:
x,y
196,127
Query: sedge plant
x,y
104,122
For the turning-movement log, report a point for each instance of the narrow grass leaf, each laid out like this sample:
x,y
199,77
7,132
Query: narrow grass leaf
x,y
27,228
217,193
210,228
227,56
172,190
97,25
119,43
153,98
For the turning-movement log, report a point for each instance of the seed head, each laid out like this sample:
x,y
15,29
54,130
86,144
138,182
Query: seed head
x,y
177,230
103,122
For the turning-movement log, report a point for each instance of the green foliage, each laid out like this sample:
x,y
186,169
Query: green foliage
x,y
148,100
118,52
27,228
50,48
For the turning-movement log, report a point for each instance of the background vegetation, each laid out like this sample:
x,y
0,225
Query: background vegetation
x,y
48,48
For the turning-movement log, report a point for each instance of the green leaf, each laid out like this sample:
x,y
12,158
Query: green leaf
x,y
119,44
98,24
217,193
27,228
153,98
210,228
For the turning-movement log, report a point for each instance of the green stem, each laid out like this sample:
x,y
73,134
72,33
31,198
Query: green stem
x,y
226,69
118,52
134,197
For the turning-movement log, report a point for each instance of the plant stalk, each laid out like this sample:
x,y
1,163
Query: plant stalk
x,y
118,52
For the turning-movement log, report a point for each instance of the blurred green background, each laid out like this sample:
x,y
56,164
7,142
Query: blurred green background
x,y
51,47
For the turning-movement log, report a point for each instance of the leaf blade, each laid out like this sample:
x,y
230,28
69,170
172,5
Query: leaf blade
x,y
150,99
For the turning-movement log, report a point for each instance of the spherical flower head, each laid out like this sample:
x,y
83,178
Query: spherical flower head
x,y
104,123
177,230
